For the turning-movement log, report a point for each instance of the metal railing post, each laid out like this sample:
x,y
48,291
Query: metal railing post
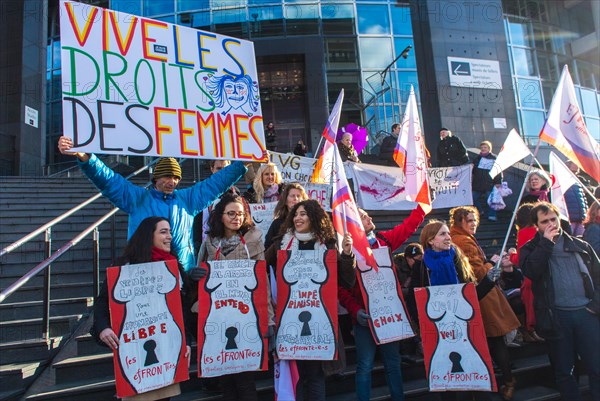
x,y
96,261
46,301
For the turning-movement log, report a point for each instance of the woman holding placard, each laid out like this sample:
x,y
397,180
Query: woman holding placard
x,y
233,236
308,228
151,242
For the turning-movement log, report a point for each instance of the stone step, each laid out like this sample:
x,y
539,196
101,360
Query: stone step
x,y
18,375
34,309
57,276
26,329
58,291
36,349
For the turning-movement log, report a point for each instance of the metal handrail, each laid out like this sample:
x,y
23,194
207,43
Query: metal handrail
x,y
61,251
63,216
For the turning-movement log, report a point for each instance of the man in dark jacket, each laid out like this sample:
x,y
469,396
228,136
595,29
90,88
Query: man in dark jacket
x,y
482,182
451,151
565,276
386,150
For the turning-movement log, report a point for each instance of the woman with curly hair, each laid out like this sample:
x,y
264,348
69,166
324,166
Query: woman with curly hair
x,y
266,186
308,227
537,187
498,317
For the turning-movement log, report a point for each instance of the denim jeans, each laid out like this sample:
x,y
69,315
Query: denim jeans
x,y
365,355
580,334
480,202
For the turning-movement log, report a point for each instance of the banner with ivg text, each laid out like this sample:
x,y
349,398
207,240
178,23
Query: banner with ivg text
x,y
138,86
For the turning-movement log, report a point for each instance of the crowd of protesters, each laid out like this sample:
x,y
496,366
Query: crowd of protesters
x,y
548,290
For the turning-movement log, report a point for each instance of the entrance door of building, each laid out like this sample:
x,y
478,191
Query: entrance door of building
x,y
283,98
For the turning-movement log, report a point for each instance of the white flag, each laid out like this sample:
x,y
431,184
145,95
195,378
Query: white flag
x,y
513,150
563,180
565,128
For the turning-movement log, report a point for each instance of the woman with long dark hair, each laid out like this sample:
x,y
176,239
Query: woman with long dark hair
x,y
292,193
151,242
308,227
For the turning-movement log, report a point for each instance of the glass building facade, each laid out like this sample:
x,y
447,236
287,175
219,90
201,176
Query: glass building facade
x,y
542,38
362,42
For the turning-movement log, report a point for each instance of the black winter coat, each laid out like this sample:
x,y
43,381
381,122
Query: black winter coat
x,y
534,259
451,152
482,182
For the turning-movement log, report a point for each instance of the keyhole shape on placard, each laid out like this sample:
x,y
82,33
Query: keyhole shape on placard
x,y
305,317
455,358
230,333
149,347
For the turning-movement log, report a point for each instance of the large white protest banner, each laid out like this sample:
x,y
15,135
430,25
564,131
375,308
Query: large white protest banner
x,y
133,85
382,187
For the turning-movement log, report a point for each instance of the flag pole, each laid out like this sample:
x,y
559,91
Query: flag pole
x,y
496,268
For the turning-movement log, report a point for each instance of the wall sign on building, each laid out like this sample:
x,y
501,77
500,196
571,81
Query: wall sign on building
x,y
31,116
474,73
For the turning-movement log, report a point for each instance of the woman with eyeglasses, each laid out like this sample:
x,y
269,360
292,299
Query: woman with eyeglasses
x,y
232,235
307,227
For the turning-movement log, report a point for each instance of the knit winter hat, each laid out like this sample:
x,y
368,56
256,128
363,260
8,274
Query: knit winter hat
x,y
167,167
413,250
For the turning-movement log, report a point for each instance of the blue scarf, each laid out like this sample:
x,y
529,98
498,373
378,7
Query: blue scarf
x,y
441,267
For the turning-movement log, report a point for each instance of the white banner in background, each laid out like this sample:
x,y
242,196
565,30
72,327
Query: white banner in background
x,y
382,187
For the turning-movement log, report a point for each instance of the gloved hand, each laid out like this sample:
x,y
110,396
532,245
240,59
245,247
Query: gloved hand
x,y
270,336
362,318
197,273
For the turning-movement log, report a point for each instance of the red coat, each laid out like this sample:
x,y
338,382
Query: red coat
x,y
351,299
523,236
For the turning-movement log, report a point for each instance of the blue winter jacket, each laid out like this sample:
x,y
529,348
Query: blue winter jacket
x,y
576,203
180,207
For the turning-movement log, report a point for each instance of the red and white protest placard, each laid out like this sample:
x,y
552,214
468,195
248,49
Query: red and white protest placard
x,y
232,317
146,315
307,305
454,343
383,300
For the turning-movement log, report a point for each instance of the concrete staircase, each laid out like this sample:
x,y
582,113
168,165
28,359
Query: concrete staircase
x,y
71,366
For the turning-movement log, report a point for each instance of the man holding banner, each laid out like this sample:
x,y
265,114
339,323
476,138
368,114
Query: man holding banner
x,y
352,300
163,199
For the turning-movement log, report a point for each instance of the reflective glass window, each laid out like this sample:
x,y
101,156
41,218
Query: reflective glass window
x,y
266,21
263,1
49,56
532,122
56,55
337,18
167,18
523,62
301,19
186,5
341,53
373,19
410,61
127,6
375,52
401,22
589,103
195,20
231,22
530,94
593,126
157,7
405,80
547,66
519,34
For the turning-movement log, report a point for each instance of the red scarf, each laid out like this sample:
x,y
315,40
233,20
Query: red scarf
x,y
158,255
